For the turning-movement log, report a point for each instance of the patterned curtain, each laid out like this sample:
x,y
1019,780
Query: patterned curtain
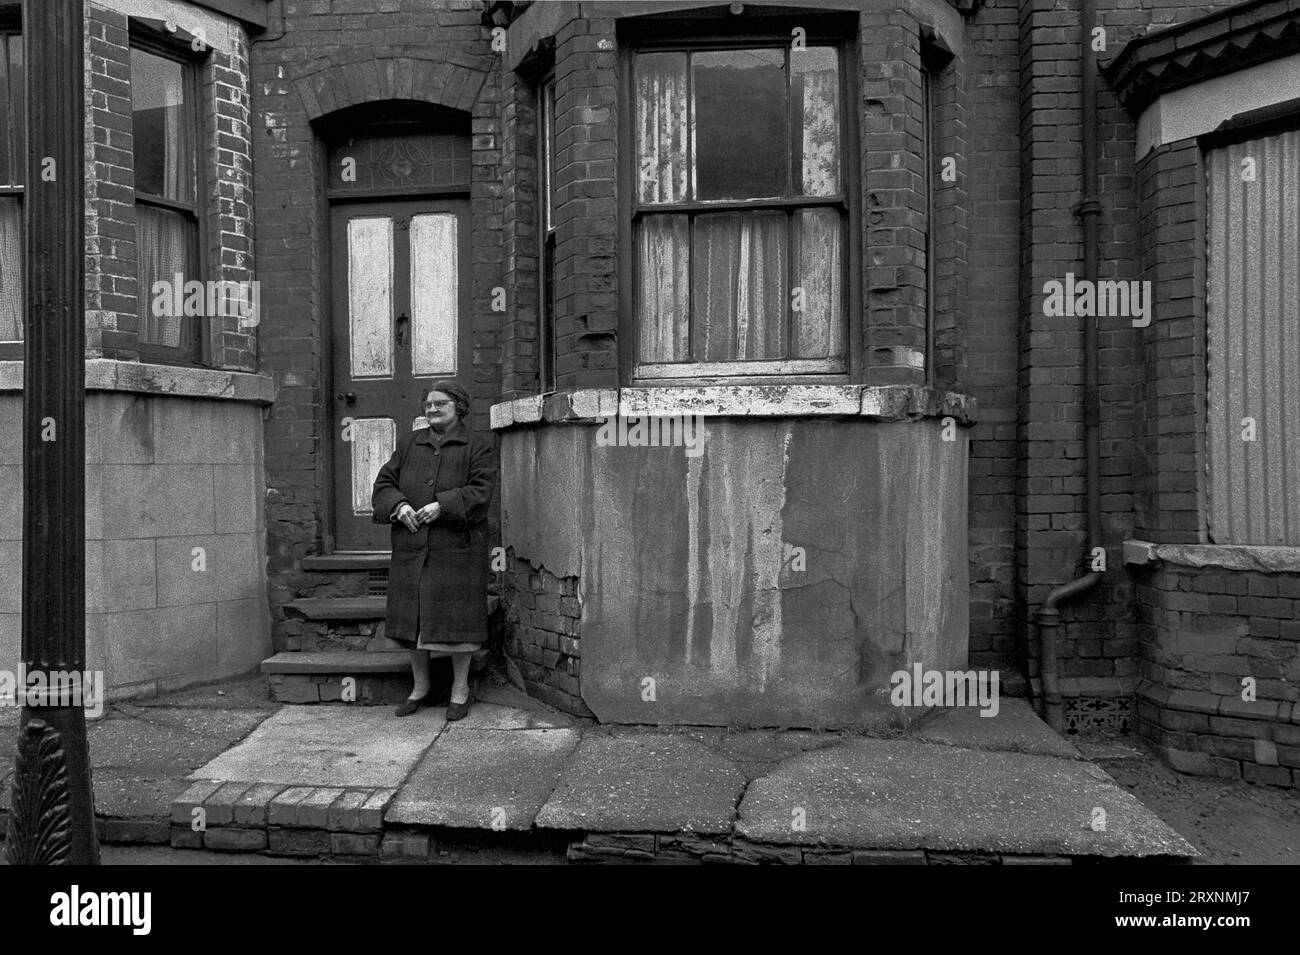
x,y
662,127
163,240
740,289
664,313
815,83
11,270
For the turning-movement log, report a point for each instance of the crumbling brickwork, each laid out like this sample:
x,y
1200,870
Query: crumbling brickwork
x,y
544,621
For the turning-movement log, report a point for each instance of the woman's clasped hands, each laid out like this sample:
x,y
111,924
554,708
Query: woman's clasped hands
x,y
414,519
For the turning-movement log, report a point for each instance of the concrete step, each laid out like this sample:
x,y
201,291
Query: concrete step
x,y
378,676
348,562
368,677
340,608
341,662
355,608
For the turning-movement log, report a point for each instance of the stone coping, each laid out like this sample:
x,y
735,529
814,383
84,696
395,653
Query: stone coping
x,y
876,403
107,374
1251,557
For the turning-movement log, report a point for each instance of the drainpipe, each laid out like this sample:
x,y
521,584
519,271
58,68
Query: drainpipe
x,y
1089,210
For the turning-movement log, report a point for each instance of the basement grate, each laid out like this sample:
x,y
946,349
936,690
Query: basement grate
x,y
377,584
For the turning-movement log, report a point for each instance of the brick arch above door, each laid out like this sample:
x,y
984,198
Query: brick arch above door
x,y
393,78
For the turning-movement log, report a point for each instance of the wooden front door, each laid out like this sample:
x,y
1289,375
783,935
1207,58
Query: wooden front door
x,y
400,290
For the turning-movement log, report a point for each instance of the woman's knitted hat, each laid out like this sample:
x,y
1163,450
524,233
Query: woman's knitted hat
x,y
457,394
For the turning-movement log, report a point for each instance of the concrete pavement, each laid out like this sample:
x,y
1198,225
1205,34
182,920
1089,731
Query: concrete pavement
x,y
525,781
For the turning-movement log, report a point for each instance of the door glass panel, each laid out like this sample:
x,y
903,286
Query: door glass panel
x,y
433,294
373,440
370,296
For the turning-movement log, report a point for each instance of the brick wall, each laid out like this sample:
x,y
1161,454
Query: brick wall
x,y
992,163
894,182
950,272
1171,394
543,633
521,196
1100,635
586,123
1205,631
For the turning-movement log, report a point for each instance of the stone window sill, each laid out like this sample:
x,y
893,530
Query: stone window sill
x,y
1248,557
106,374
876,403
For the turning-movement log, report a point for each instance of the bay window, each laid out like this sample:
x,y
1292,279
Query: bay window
x,y
740,217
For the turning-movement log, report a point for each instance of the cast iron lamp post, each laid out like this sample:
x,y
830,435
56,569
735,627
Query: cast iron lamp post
x,y
52,816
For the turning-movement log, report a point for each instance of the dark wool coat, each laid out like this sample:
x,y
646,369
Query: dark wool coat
x,y
438,578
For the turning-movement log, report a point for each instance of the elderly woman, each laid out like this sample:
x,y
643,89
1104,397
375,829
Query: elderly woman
x,y
435,490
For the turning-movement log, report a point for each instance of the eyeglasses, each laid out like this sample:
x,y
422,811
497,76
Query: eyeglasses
x,y
439,404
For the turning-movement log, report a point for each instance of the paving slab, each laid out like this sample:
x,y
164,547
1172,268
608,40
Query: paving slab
x,y
495,716
899,794
139,759
1016,729
484,778
345,746
644,781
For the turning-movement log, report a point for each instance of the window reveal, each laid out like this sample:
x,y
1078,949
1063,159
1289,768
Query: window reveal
x,y
740,214
546,238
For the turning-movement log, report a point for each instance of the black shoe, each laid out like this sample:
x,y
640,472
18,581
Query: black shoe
x,y
408,706
457,711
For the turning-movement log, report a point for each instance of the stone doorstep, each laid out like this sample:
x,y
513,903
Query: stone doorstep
x,y
383,677
355,608
384,689
338,662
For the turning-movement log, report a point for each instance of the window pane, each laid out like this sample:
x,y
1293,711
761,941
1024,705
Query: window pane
x,y
162,127
546,132
11,270
664,303
739,268
13,127
815,91
662,127
401,161
740,128
166,242
817,331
